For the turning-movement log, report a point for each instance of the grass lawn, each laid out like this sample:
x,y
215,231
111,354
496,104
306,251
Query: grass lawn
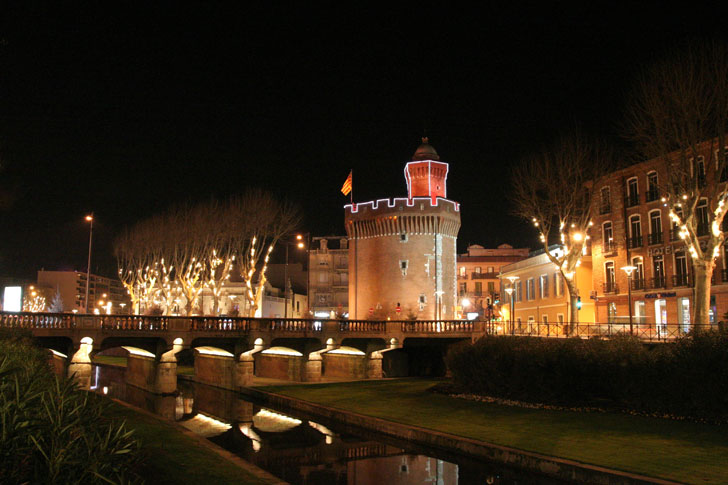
x,y
186,370
673,450
171,457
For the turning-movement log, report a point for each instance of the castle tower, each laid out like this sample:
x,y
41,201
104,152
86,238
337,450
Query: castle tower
x,y
402,251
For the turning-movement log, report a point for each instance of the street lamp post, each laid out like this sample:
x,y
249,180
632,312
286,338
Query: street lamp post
x,y
510,298
511,294
300,245
90,219
629,270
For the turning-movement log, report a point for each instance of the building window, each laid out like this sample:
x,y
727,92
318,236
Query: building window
x,y
605,205
652,191
702,217
681,269
675,228
611,312
491,269
658,272
560,318
607,237
403,267
544,284
491,287
519,291
638,277
545,319
635,232
530,293
655,236
610,282
463,271
403,237
478,269
633,196
701,172
478,288
558,284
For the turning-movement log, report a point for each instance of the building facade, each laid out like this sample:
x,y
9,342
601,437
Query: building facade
x,y
632,227
72,287
328,276
479,277
402,251
540,297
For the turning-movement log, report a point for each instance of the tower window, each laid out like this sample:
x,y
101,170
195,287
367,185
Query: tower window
x,y
403,237
403,267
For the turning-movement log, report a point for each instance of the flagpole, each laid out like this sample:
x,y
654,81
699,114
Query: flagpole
x,y
351,193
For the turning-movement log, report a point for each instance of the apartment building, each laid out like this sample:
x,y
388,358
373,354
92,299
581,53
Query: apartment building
x,y
328,276
539,297
72,287
479,277
633,228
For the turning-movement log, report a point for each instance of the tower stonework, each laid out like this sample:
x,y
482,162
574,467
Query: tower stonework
x,y
402,251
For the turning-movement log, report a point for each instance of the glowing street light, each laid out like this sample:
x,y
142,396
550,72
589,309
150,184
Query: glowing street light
x,y
90,220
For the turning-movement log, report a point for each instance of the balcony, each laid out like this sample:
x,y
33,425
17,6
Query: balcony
x,y
658,282
610,287
638,284
605,208
484,276
652,195
680,279
634,242
654,238
462,276
632,200
609,247
674,234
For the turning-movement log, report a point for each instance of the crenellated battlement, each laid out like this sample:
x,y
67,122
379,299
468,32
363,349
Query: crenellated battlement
x,y
388,217
399,203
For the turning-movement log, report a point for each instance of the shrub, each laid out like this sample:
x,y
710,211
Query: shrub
x,y
51,432
688,377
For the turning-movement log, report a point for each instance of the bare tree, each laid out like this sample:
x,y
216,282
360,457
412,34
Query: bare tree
x,y
260,220
678,115
552,189
189,249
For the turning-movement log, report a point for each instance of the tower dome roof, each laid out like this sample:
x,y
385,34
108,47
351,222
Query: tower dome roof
x,y
425,151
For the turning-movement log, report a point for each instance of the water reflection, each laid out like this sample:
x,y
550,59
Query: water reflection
x,y
300,449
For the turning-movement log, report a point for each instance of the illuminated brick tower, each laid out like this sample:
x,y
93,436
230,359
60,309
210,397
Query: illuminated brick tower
x,y
402,251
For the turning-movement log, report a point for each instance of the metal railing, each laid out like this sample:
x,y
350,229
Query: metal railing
x,y
610,287
638,284
658,282
609,246
58,323
681,279
654,238
634,242
632,200
620,327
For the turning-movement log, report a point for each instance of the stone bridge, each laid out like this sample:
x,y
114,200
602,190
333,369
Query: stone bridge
x,y
229,351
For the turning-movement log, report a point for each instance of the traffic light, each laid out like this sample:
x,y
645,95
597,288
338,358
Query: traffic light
x,y
578,303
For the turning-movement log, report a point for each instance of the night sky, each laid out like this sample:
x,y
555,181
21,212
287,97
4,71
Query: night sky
x,y
126,112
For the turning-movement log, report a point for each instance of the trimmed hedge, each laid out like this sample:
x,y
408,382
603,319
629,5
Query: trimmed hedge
x,y
51,432
688,377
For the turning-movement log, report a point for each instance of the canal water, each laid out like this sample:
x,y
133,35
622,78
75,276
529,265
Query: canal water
x,y
306,450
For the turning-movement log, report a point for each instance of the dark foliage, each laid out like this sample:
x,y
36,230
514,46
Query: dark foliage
x,y
685,378
51,432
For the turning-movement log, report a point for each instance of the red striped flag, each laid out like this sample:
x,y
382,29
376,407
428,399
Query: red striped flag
x,y
346,188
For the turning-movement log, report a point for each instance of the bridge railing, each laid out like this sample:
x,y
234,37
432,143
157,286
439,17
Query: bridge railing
x,y
38,320
437,326
641,330
146,323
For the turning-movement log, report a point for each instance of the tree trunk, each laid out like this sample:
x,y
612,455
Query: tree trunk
x,y
573,310
702,272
